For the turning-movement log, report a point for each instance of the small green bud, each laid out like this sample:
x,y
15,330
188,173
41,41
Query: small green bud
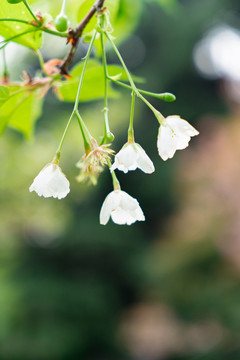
x,y
168,97
14,1
61,22
110,136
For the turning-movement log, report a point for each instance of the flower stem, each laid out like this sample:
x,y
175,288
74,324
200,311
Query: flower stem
x,y
5,69
130,128
87,137
63,9
105,110
30,11
116,184
134,88
37,26
163,96
58,152
122,62
84,69
41,61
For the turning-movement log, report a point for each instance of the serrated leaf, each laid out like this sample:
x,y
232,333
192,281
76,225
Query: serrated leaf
x,y
21,111
9,29
93,83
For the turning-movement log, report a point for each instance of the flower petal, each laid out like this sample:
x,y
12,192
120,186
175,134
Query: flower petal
x,y
165,144
181,125
110,204
131,157
122,208
143,161
122,217
174,134
51,182
126,159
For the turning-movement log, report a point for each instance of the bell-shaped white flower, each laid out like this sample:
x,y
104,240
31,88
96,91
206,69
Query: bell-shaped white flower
x,y
51,182
174,134
131,157
122,208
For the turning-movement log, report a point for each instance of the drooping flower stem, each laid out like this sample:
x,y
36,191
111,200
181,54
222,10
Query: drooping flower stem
x,y
30,11
122,62
84,130
130,128
63,9
134,88
84,69
168,97
41,61
58,152
87,137
5,69
116,184
105,110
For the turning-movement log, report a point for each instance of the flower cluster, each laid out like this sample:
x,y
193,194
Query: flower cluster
x,y
174,134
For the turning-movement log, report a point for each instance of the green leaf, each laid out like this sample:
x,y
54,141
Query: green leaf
x,y
112,6
126,19
4,94
9,29
93,82
21,111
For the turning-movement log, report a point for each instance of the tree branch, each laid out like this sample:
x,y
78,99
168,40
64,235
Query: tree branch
x,y
74,36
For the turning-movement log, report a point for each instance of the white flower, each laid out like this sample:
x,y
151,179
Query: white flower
x,y
51,182
174,134
122,208
132,156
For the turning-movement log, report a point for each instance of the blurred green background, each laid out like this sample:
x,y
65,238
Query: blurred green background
x,y
167,288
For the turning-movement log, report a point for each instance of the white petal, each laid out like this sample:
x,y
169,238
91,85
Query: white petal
x,y
174,134
131,157
110,204
128,202
125,159
144,162
181,126
122,217
51,182
122,208
165,144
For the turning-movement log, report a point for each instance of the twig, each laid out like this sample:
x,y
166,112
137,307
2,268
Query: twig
x,y
74,36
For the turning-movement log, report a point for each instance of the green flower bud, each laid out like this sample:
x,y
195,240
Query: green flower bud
x,y
168,97
110,136
61,22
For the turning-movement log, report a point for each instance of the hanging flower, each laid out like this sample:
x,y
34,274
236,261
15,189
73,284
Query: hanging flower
x,y
91,164
174,134
122,208
51,182
131,157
